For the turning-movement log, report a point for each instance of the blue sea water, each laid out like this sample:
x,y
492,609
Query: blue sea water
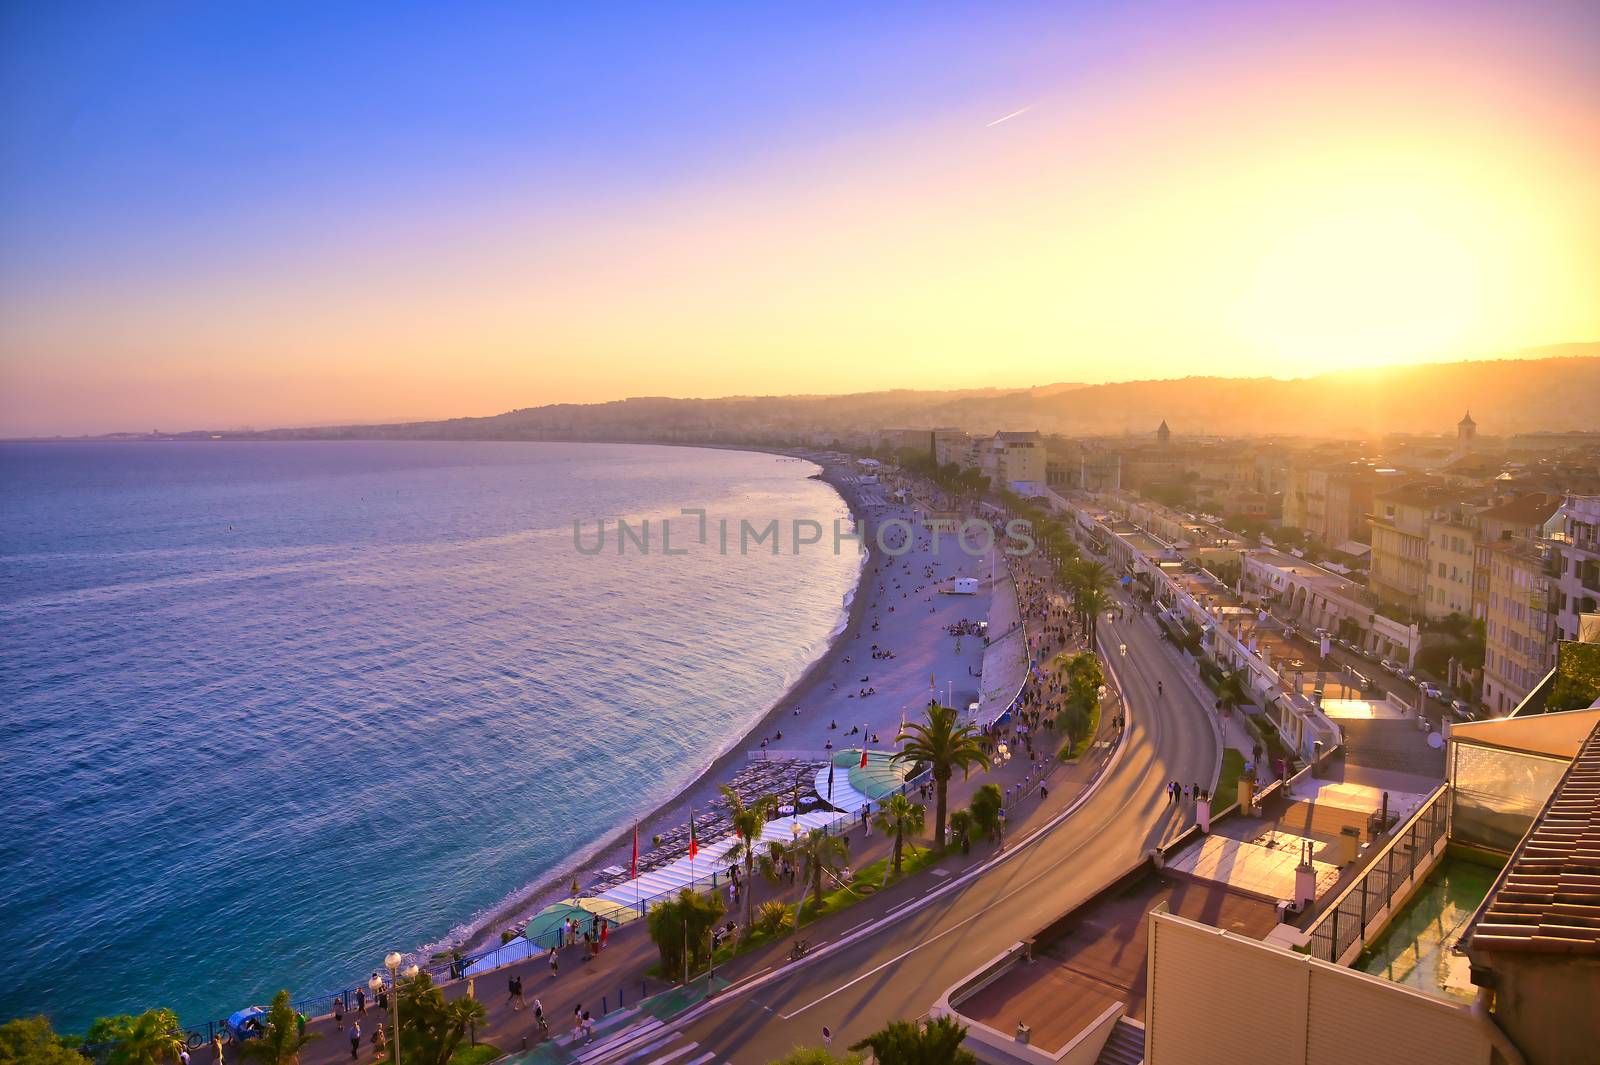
x,y
270,710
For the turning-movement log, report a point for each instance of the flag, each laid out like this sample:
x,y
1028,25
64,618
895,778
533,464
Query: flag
x,y
863,758
694,841
633,866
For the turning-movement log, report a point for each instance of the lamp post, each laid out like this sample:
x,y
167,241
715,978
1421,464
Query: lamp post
x,y
392,963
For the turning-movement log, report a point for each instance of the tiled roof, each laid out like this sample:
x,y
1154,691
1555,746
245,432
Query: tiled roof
x,y
1548,898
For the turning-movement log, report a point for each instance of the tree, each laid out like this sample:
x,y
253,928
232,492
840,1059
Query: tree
x,y
943,744
748,820
681,928
773,916
961,828
31,1041
936,1042
1084,680
151,1038
282,1040
1090,583
985,808
897,816
430,1027
819,855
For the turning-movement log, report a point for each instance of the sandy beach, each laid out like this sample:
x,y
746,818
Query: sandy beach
x,y
894,651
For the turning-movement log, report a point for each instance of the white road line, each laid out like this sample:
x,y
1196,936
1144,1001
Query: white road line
x,y
680,1052
703,1058
1021,846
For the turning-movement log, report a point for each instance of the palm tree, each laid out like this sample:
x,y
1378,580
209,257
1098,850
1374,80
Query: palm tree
x,y
944,744
819,854
151,1038
1090,582
680,927
283,1039
748,820
936,1042
897,816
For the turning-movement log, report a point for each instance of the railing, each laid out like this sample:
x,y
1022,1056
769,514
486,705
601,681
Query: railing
x,y
1345,922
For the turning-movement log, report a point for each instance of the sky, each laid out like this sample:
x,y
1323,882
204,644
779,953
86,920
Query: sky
x,y
269,214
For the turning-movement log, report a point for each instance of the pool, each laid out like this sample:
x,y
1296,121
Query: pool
x,y
1418,947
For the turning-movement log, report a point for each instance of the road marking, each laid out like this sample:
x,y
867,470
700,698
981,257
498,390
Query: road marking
x,y
1101,773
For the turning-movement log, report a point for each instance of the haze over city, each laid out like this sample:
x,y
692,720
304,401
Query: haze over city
x,y
211,221
816,534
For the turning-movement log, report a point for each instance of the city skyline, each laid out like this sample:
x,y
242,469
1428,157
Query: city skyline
x,y
214,220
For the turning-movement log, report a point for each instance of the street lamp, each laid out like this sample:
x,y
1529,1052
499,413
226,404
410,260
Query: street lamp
x,y
392,963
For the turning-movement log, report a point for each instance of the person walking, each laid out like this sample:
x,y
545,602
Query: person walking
x,y
361,1000
338,1012
555,963
216,1049
380,1043
355,1039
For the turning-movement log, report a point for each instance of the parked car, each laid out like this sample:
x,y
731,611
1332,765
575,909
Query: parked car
x,y
1461,708
1432,691
1390,667
1361,681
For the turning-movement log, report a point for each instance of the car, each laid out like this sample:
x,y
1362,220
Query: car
x,y
1432,691
1360,680
1411,678
1461,708
1390,667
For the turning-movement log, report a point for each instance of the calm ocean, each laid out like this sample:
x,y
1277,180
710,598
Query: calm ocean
x,y
268,711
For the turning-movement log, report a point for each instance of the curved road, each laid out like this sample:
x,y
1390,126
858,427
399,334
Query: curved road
x,y
900,967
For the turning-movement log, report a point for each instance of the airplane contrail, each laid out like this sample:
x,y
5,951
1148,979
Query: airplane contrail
x,y
1007,118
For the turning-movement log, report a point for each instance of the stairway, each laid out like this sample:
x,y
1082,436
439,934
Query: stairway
x,y
1126,1045
1391,744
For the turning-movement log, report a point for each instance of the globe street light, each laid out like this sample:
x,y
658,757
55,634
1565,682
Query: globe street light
x,y
392,963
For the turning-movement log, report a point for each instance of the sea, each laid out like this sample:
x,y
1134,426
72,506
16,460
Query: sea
x,y
270,710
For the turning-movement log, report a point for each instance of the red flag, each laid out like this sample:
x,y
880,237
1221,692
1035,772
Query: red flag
x,y
694,842
633,866
863,758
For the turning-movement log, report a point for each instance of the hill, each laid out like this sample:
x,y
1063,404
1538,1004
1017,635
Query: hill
x,y
1506,396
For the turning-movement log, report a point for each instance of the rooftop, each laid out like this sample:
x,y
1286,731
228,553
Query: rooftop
x,y
1548,898
1536,508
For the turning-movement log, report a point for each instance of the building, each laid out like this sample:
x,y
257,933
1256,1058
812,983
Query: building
x,y
1519,630
1450,585
1331,502
1576,538
1462,928
1015,460
1400,523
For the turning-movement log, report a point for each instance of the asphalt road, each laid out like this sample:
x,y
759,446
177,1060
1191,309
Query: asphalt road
x,y
897,967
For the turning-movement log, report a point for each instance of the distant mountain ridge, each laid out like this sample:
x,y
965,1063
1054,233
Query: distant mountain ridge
x,y
1505,396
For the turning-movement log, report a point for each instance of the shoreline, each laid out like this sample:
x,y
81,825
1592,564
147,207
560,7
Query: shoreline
x,y
482,931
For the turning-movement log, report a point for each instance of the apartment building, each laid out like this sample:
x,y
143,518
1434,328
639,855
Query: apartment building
x,y
1575,535
1015,460
1518,625
1330,503
1400,523
1450,587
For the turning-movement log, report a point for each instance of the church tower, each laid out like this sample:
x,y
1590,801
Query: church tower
x,y
1163,434
1466,434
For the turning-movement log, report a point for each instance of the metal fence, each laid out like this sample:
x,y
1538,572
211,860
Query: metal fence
x,y
1346,920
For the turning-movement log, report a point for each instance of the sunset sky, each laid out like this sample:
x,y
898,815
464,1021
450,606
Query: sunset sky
x,y
218,215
